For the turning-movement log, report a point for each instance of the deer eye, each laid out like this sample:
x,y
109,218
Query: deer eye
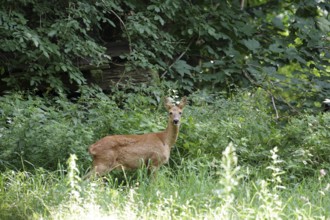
x,y
171,113
180,113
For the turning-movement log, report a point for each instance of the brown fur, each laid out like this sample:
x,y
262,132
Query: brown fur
x,y
131,151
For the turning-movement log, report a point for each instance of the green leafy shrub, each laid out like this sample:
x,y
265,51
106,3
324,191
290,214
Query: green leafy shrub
x,y
245,120
248,120
41,42
191,193
44,132
281,46
306,140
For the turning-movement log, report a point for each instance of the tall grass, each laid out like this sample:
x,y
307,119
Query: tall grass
x,y
271,170
197,189
43,132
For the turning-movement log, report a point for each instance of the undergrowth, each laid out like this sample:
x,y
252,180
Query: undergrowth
x,y
232,160
201,190
42,132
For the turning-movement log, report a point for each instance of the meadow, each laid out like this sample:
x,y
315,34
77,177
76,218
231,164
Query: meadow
x,y
233,160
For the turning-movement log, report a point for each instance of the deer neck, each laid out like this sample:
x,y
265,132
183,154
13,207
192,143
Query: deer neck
x,y
171,133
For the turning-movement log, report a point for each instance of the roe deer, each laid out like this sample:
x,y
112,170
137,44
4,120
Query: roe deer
x,y
132,151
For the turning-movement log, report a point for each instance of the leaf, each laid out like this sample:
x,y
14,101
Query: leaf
x,y
160,19
231,52
277,22
182,67
253,71
269,70
275,48
57,68
248,29
293,54
35,40
324,24
63,67
252,44
211,31
52,33
44,51
153,8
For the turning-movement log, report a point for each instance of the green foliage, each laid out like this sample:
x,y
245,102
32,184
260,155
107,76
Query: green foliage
x,y
41,41
246,120
281,46
43,132
255,46
307,140
192,193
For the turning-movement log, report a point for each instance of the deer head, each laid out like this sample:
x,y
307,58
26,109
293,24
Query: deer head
x,y
175,111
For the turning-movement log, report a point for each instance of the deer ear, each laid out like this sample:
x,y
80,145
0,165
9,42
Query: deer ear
x,y
183,102
168,103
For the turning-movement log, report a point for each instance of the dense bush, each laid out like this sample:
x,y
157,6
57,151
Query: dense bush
x,y
306,140
191,193
245,120
281,46
43,44
249,121
43,132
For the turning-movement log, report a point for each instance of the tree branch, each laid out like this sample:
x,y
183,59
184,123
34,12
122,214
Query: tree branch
x,y
122,22
178,58
260,86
